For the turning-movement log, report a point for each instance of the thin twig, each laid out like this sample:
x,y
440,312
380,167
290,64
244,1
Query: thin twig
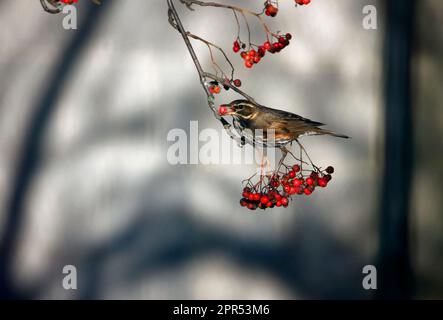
x,y
210,44
45,6
258,15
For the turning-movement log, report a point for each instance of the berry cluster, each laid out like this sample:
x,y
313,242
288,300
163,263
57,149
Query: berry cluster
x,y
275,190
252,199
253,56
302,2
215,88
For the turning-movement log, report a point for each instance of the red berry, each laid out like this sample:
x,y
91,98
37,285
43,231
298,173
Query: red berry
x,y
243,54
322,182
310,181
272,10
267,45
284,201
278,204
287,188
292,174
257,59
327,177
288,36
261,52
307,192
297,182
296,168
256,196
275,184
264,199
248,64
237,82
222,110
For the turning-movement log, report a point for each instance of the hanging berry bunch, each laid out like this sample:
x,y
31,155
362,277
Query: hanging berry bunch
x,y
253,56
277,189
274,42
250,52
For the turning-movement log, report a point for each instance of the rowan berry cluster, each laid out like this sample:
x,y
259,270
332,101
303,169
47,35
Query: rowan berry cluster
x,y
214,87
253,56
277,189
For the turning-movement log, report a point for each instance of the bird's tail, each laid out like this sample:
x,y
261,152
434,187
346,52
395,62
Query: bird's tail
x,y
331,133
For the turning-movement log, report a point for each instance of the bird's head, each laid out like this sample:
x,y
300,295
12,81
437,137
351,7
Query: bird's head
x,y
243,109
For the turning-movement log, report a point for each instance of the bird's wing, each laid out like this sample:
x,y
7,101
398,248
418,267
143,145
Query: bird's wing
x,y
290,117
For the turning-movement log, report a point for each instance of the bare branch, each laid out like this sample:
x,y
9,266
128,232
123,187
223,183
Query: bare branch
x,y
175,21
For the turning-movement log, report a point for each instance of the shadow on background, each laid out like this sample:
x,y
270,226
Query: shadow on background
x,y
166,237
28,158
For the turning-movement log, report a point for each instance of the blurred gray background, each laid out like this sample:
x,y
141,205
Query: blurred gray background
x,y
84,178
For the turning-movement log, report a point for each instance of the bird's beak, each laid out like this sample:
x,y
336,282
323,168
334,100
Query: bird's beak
x,y
225,110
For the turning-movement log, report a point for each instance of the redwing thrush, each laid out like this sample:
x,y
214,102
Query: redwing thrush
x,y
287,126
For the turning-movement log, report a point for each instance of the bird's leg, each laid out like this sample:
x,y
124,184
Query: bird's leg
x,y
263,164
284,152
264,161
301,159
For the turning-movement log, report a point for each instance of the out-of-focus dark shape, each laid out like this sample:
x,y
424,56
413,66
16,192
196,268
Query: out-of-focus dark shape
x,y
394,257
29,154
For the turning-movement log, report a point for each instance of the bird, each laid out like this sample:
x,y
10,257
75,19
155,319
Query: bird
x,y
287,127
